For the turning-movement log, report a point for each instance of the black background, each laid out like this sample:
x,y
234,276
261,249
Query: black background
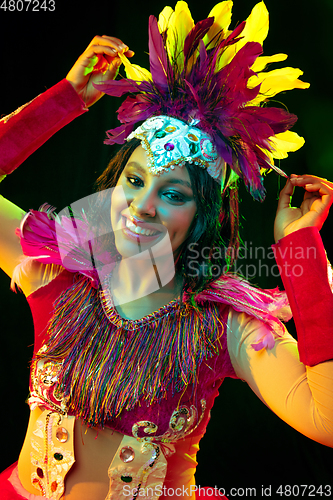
x,y
246,445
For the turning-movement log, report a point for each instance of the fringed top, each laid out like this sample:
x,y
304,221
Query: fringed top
x,y
107,368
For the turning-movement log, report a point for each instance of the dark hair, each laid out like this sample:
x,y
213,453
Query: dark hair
x,y
113,171
214,234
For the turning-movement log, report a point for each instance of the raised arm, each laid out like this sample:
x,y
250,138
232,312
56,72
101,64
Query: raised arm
x,y
300,395
25,130
10,248
295,379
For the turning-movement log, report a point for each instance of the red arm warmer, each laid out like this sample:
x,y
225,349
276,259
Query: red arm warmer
x,y
25,130
303,267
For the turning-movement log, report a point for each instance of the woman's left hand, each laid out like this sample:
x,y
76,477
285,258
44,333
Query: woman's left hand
x,y
99,62
318,198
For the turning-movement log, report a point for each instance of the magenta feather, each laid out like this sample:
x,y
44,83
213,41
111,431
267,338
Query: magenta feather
x,y
195,35
133,107
118,135
52,241
117,88
234,35
159,63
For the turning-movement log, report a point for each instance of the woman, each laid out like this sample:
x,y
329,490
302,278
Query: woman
x,y
151,203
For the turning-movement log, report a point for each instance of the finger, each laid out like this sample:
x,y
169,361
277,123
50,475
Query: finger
x,y
301,180
112,70
116,59
101,52
324,194
99,49
321,187
315,186
110,41
285,195
323,191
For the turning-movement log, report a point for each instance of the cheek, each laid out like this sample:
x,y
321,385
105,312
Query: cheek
x,y
118,205
181,224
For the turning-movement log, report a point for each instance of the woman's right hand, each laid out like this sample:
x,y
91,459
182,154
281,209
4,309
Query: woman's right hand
x,y
99,62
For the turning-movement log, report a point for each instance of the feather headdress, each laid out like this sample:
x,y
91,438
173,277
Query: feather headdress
x,y
205,74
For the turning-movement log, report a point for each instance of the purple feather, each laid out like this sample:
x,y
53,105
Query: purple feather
x,y
195,35
279,119
249,128
236,74
194,95
223,149
251,176
117,88
203,57
135,109
118,135
159,63
233,37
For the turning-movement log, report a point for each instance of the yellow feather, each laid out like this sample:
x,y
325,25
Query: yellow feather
x,y
256,30
284,143
222,19
276,81
262,61
180,24
257,25
164,18
135,72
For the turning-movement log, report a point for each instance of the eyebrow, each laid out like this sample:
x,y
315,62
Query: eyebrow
x,y
169,181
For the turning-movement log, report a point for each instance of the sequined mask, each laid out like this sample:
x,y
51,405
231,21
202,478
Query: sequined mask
x,y
169,142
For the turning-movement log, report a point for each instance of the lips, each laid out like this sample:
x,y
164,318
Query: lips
x,y
140,229
134,229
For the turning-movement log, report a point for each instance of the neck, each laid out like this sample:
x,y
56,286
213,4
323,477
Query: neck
x,y
140,287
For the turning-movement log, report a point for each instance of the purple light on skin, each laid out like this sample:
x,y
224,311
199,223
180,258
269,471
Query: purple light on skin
x,y
169,146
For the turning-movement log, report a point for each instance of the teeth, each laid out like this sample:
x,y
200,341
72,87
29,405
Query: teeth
x,y
129,223
139,230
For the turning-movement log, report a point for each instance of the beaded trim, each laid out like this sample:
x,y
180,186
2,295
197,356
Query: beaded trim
x,y
6,118
129,324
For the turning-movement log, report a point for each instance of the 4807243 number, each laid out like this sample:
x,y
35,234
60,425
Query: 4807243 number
x,y
27,5
308,490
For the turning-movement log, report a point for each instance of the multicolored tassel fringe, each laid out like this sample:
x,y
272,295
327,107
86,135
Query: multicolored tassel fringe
x,y
109,364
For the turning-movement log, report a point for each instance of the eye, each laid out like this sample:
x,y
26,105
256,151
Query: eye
x,y
134,181
175,197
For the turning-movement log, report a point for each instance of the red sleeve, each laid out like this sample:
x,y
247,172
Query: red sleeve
x,y
41,303
303,266
26,129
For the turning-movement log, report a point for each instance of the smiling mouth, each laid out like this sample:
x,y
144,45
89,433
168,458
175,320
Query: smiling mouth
x,y
140,230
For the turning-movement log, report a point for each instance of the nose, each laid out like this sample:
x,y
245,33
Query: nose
x,y
143,203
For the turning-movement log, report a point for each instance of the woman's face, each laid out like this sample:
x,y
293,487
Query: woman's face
x,y
152,206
